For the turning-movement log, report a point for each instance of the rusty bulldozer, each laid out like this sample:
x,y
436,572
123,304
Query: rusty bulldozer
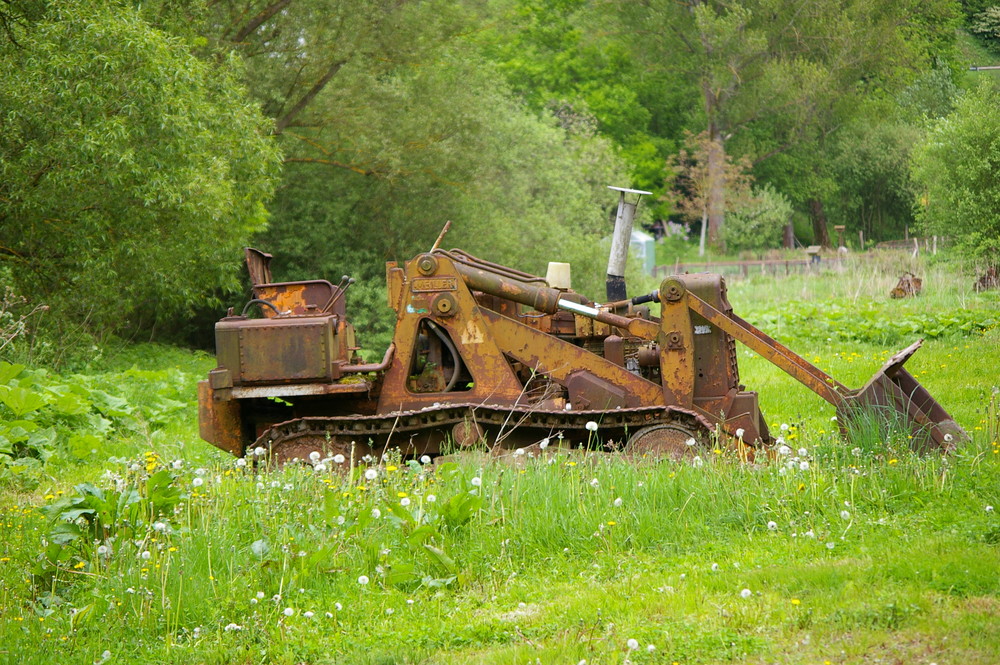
x,y
484,353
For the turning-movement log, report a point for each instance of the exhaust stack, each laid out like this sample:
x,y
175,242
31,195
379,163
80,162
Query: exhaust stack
x,y
620,242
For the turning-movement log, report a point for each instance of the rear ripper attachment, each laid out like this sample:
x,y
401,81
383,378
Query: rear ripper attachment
x,y
484,353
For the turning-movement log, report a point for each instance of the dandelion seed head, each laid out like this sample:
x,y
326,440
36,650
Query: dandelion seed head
x,y
177,463
845,515
363,580
591,426
746,593
594,483
314,456
288,612
405,501
338,459
784,450
338,606
803,452
430,498
830,545
230,627
618,502
544,443
371,474
784,427
739,433
240,463
376,513
697,461
145,555
804,465
771,526
259,451
425,459
715,567
476,481
197,482
260,595
989,509
308,615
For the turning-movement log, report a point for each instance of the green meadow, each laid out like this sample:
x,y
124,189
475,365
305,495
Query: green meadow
x,y
124,538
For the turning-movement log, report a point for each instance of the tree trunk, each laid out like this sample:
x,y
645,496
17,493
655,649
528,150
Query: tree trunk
x,y
789,239
820,235
716,188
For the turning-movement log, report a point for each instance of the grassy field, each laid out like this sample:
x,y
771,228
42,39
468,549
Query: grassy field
x,y
125,539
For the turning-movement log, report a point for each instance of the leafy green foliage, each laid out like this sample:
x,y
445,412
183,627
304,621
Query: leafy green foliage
x,y
955,168
130,171
758,223
72,418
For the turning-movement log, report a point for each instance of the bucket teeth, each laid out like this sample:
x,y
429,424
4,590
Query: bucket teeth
x,y
893,397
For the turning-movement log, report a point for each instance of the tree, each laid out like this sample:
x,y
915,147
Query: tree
x,y
698,178
774,74
130,171
956,168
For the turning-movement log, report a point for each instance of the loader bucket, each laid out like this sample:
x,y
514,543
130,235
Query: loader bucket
x,y
894,397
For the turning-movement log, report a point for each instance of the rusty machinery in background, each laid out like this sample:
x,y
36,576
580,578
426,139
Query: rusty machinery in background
x,y
487,353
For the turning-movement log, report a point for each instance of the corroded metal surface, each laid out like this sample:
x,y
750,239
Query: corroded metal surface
x,y
483,353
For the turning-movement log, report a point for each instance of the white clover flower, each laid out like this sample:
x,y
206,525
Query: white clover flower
x,y
618,502
746,593
844,515
430,498
329,615
591,426
544,443
697,461
771,526
803,452
784,451
288,612
240,463
476,481
739,433
259,451
371,474
405,501
363,580
308,615
632,644
197,482
314,456
338,459
594,483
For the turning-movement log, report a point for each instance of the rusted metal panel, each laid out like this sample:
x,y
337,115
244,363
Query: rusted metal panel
x,y
219,421
279,350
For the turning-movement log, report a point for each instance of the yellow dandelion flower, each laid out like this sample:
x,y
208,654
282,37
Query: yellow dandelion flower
x,y
796,601
401,495
612,523
49,496
80,564
390,468
893,461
